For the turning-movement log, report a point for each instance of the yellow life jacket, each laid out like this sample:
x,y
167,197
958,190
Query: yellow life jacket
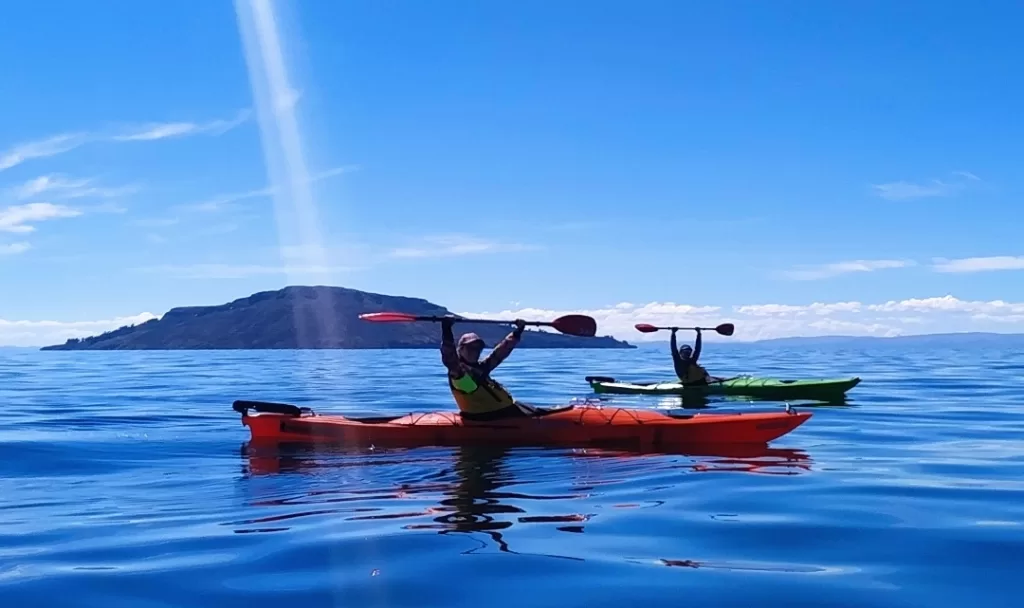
x,y
695,373
474,397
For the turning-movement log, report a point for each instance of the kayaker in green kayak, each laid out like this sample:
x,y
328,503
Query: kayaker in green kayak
x,y
685,361
479,396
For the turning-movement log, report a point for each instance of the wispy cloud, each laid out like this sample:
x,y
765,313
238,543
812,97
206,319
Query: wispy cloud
x,y
19,218
219,229
47,183
65,142
346,251
980,264
155,222
336,171
159,131
825,271
904,190
43,148
193,233
961,265
967,175
573,225
107,207
14,248
901,191
457,245
243,271
156,130
223,201
320,261
63,187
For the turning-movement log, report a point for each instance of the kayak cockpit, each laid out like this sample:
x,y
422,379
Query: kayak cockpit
x,y
376,419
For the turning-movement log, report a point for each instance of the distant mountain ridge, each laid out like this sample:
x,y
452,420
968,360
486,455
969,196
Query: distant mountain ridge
x,y
307,317
917,339
943,339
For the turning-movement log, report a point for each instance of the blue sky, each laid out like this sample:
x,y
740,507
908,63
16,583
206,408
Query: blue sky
x,y
688,158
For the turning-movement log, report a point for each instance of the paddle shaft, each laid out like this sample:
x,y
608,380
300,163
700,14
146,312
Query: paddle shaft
x,y
689,328
487,321
576,325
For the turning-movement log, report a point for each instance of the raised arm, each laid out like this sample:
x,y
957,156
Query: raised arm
x,y
504,348
449,356
677,361
696,346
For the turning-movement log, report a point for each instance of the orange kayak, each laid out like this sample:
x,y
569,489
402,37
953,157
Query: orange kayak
x,y
574,425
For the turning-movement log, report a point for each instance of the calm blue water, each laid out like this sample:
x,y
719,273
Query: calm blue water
x,y
124,482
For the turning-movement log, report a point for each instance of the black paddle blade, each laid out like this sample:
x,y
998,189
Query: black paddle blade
x,y
726,329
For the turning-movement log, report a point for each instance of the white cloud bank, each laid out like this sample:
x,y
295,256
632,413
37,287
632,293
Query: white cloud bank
x,y
765,321
42,333
753,321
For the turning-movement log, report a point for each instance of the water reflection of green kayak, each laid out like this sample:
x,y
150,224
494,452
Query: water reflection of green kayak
x,y
762,388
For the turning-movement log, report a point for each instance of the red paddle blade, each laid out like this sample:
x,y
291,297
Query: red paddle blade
x,y
388,317
726,329
646,328
576,325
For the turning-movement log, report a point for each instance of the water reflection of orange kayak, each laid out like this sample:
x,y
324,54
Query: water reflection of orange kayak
x,y
300,458
475,490
576,425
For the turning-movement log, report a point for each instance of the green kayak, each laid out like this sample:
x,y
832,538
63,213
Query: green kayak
x,y
761,388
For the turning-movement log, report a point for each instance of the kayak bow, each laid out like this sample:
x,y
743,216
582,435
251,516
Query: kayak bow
x,y
574,425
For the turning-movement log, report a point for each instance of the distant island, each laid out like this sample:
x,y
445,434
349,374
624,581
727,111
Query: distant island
x,y
301,317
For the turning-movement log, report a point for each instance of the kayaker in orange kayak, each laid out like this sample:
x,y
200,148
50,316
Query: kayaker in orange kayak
x,y
479,396
685,361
